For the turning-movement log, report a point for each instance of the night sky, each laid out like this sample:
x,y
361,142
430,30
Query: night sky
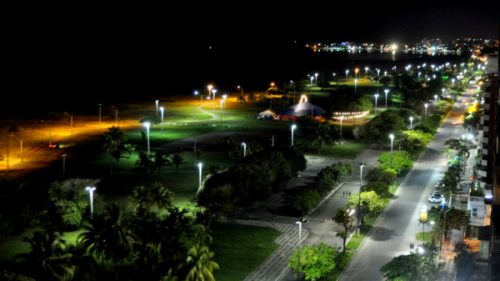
x,y
87,48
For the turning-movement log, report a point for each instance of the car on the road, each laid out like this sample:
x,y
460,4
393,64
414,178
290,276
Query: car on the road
x,y
435,197
439,185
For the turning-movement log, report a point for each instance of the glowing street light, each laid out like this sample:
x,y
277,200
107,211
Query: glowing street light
x,y
316,77
292,130
147,125
386,91
426,105
391,137
376,101
90,190
214,92
346,73
157,103
355,84
300,242
361,166
423,217
435,98
162,112
378,73
244,145
311,78
411,122
200,172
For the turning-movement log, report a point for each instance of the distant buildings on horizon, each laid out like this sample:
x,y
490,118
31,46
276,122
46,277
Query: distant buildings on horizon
x,y
425,46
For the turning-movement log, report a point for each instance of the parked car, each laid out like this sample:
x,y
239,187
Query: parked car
x,y
435,197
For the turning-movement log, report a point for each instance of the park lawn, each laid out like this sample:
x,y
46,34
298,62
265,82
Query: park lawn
x,y
240,249
347,149
425,236
15,245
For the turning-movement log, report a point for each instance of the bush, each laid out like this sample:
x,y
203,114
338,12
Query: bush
x,y
398,161
380,187
305,200
379,175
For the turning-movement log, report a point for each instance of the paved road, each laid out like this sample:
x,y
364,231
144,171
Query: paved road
x,y
397,226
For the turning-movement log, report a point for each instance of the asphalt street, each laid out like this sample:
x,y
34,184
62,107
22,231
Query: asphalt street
x,y
396,228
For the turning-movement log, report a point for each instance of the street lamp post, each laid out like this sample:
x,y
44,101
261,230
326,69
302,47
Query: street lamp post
x,y
435,98
214,92
411,122
147,125
391,136
162,112
90,190
361,166
100,113
426,105
64,164
346,73
292,130
376,101
300,244
423,219
386,91
316,77
157,104
200,172
244,145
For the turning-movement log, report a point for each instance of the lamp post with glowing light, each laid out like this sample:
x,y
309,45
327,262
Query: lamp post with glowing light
x,y
391,137
90,190
386,91
346,73
316,77
361,166
157,103
200,173
423,219
162,114
292,131
244,145
300,244
426,105
214,92
147,125
376,101
411,122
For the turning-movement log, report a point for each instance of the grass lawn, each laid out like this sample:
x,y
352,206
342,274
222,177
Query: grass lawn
x,y
425,236
16,245
348,149
240,249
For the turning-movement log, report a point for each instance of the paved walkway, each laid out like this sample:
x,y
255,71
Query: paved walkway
x,y
273,267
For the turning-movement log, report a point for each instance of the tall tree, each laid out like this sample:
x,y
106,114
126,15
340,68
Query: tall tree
x,y
113,143
324,135
345,220
109,236
177,160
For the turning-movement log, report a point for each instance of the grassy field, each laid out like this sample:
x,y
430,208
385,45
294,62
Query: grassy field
x,y
16,245
240,249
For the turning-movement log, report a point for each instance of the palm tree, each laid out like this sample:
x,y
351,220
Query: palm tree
x,y
144,198
109,236
48,258
177,160
199,264
161,159
113,143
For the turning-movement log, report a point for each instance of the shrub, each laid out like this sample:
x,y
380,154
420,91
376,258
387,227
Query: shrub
x,y
305,200
398,161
